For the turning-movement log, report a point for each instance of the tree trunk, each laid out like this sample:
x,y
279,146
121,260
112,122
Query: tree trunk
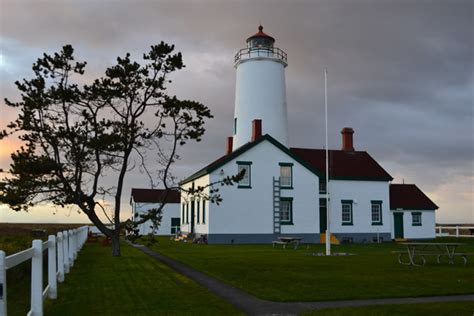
x,y
116,244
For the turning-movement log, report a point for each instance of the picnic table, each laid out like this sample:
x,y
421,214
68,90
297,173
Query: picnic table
x,y
288,240
420,250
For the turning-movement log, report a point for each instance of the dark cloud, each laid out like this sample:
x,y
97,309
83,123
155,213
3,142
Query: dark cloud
x,y
400,72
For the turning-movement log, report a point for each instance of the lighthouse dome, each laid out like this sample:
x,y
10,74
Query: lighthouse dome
x,y
260,39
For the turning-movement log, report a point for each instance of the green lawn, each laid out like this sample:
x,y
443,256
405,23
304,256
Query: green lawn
x,y
292,275
438,309
134,284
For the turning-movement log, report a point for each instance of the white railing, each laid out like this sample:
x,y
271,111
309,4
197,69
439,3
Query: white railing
x,y
62,251
454,231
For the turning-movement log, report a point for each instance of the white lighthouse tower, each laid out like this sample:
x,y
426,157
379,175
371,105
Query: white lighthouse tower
x,y
260,92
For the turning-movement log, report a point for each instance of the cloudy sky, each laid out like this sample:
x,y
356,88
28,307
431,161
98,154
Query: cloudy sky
x,y
400,73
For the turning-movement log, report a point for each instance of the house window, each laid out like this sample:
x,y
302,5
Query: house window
x,y
235,125
174,225
346,212
197,211
286,211
246,180
286,175
322,186
376,212
204,211
416,219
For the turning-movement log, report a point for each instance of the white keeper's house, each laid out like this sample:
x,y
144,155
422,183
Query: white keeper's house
x,y
283,192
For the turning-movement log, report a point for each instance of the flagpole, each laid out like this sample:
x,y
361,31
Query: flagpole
x,y
328,230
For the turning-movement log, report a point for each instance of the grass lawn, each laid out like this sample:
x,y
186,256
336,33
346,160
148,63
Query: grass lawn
x,y
439,309
134,284
292,275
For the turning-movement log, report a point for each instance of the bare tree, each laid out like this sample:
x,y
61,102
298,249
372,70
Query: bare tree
x,y
78,137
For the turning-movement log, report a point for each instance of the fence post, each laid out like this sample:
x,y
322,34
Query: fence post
x,y
86,234
3,285
66,251
60,248
71,248
37,279
76,243
52,278
457,231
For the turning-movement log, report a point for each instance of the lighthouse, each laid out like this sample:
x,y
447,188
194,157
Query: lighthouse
x,y
260,92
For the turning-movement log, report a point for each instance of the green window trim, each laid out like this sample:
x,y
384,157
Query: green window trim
x,y
174,221
351,222
244,162
377,202
249,185
290,200
204,211
413,214
287,164
235,125
175,224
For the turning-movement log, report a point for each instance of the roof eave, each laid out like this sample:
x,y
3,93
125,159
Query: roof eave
x,y
416,208
243,149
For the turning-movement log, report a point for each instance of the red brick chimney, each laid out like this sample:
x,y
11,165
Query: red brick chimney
x,y
347,142
256,129
230,141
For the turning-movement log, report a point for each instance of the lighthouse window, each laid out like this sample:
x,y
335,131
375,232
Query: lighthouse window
x,y
260,42
244,166
235,125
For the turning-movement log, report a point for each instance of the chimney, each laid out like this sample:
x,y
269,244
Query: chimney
x,y
347,142
230,141
256,129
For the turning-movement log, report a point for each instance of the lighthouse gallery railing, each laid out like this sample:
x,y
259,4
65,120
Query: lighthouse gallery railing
x,y
271,52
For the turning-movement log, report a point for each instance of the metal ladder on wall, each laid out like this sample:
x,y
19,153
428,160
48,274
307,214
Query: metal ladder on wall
x,y
276,206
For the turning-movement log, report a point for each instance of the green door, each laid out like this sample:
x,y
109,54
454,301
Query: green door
x,y
322,216
398,223
175,224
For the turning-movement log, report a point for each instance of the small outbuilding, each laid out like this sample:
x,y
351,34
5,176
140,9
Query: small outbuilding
x,y
143,200
413,212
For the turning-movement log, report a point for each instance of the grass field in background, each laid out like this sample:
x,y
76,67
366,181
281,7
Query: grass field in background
x,y
295,275
133,284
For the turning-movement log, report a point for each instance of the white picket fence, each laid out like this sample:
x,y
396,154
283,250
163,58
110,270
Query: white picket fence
x,y
62,251
453,231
